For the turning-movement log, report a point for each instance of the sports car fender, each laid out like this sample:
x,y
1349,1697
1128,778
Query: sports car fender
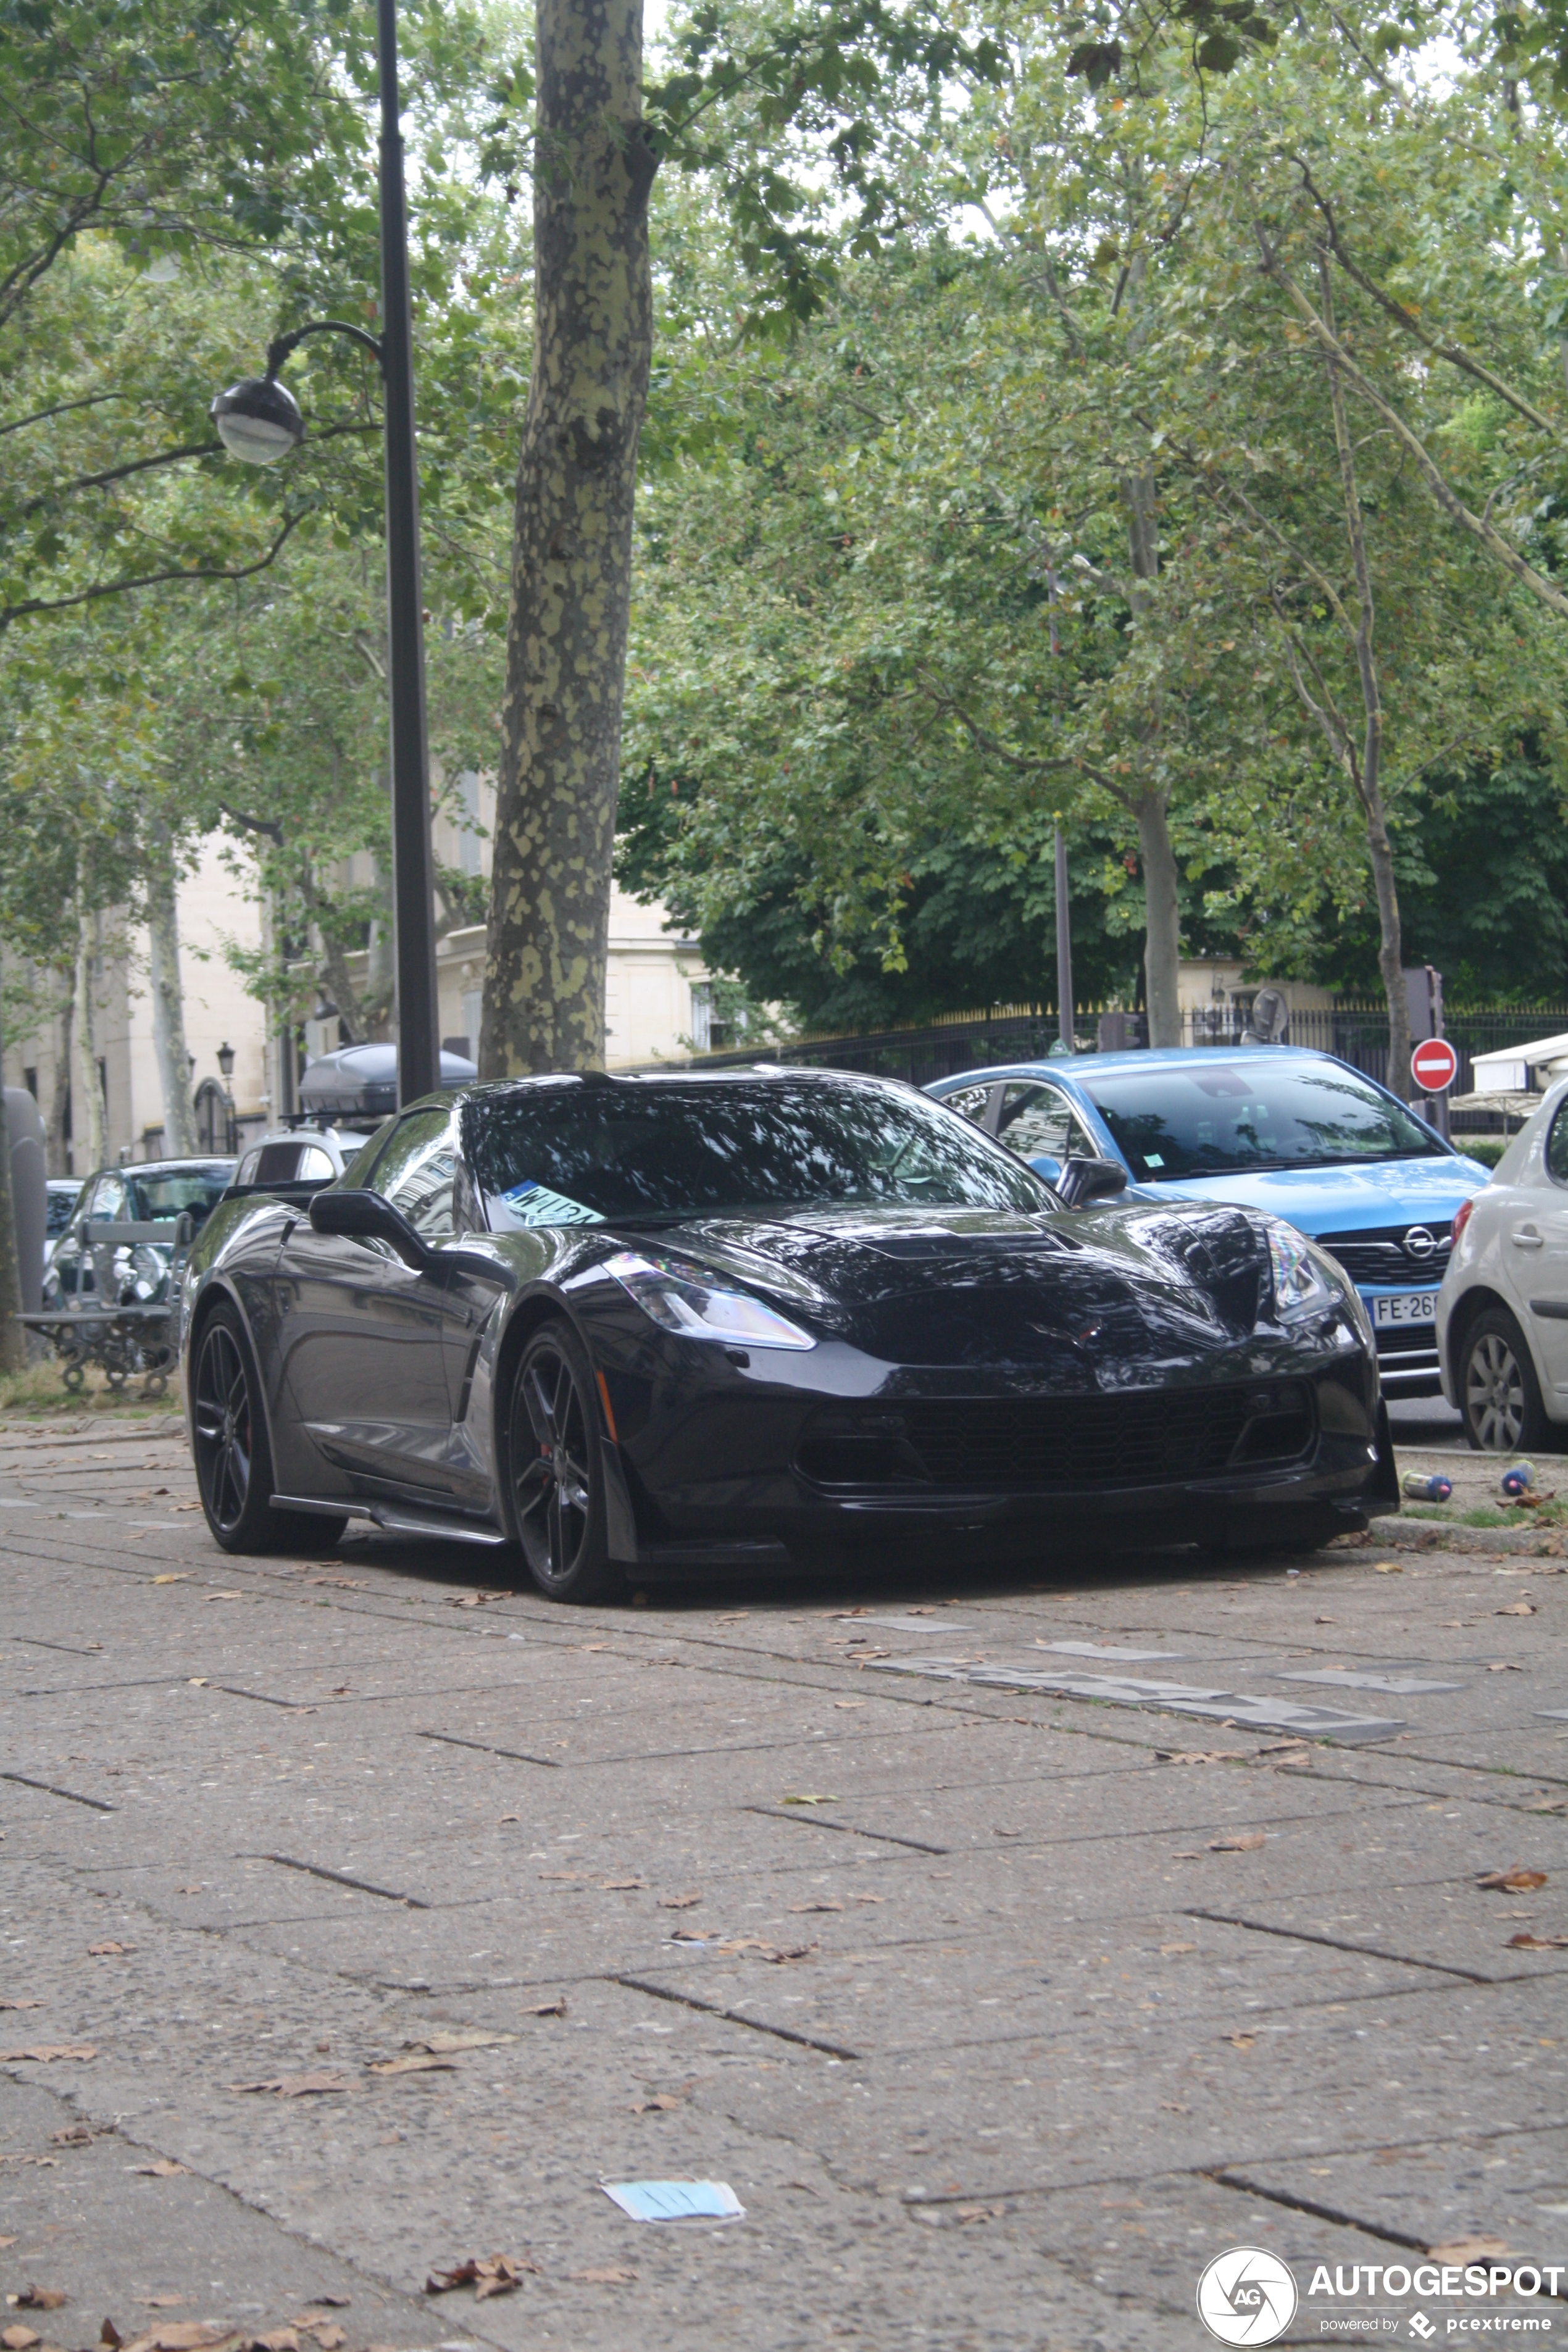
x,y
490,1398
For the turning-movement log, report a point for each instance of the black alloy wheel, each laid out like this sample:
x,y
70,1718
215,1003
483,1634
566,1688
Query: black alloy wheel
x,y
1499,1395
557,1474
233,1460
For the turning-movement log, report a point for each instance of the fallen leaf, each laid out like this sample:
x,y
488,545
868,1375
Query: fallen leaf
x,y
1006,1834
220,1596
1199,1755
44,2053
870,1899
677,1902
463,2038
1517,1881
161,2302
559,1877
19,2338
21,2004
188,1890
329,2335
1516,1609
497,2274
425,2064
1325,1621
279,2339
163,2168
603,2278
1467,2249
110,2335
862,1658
621,1886
1547,1805
180,1579
808,1801
1242,2041
662,2103
1239,1844
1504,1667
1525,1942
556,2008
40,2298
508,1817
1166,1949
108,1951
978,2212
1390,1568
827,1904
296,2086
846,1704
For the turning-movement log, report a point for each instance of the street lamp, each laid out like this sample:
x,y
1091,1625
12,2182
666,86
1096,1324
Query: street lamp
x,y
226,1068
258,421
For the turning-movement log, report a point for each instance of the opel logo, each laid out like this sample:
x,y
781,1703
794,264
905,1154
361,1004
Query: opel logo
x,y
1419,1243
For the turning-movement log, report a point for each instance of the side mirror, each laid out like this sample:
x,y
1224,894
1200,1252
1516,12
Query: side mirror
x,y
1051,1170
1084,1182
368,1217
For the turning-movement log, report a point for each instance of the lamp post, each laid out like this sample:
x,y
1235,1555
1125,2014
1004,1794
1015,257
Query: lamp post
x,y
259,421
226,1069
1067,1038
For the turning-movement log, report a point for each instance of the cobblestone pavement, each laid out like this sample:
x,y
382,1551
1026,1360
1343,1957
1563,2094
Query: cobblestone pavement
x,y
1002,1996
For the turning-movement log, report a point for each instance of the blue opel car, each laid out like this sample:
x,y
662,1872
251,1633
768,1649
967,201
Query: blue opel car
x,y
1299,1134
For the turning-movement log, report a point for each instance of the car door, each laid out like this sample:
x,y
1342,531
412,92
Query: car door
x,y
1040,1123
364,1334
1535,1242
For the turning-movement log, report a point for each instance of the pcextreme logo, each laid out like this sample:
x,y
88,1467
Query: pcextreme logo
x,y
1247,2296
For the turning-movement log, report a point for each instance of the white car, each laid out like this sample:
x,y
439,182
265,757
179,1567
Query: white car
x,y
1502,1311
296,1155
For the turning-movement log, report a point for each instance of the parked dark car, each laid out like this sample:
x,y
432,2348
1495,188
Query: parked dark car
x,y
153,1191
642,1325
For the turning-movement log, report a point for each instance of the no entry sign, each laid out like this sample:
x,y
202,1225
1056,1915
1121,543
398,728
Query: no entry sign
x,y
1433,1065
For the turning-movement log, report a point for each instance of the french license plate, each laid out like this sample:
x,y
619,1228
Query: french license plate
x,y
1410,1307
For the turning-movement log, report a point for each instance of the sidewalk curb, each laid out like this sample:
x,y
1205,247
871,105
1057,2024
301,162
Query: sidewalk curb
x,y
1434,1535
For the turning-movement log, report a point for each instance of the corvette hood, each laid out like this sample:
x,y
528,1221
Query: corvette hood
x,y
1117,1296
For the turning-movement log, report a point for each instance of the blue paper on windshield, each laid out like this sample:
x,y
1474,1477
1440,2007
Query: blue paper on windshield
x,y
536,1205
676,2201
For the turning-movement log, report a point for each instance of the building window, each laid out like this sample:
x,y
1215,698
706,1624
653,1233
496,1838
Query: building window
x,y
701,1016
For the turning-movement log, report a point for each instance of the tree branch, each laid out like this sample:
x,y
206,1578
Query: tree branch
x,y
10,612
1446,498
1456,356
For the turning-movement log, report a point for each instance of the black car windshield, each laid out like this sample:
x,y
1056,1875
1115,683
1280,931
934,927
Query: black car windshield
x,y
174,1189
571,1154
1224,1118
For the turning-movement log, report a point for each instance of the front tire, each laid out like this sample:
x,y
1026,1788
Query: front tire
x,y
234,1458
1499,1395
557,1469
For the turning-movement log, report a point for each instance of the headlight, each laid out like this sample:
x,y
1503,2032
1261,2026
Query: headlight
x,y
1298,1282
680,1297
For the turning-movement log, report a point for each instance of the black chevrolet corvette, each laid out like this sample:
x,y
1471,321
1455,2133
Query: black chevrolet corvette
x,y
645,1325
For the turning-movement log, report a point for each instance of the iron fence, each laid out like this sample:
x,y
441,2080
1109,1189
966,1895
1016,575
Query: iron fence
x,y
1356,1030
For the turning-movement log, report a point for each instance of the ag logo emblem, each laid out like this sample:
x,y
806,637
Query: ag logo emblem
x,y
1247,2296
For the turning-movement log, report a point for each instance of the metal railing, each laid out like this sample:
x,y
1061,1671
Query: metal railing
x,y
1354,1029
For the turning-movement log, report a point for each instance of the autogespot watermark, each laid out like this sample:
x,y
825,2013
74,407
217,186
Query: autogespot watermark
x,y
1248,2296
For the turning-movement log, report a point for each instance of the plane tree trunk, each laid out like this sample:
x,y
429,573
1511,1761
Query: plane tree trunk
x,y
570,566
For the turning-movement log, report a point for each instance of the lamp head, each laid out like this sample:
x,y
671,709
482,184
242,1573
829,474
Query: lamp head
x,y
226,1060
257,420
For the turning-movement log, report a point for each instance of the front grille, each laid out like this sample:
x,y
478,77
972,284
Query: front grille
x,y
1043,1442
1380,1255
1413,1340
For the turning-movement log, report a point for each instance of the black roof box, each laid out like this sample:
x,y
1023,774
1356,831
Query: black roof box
x,y
360,1081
